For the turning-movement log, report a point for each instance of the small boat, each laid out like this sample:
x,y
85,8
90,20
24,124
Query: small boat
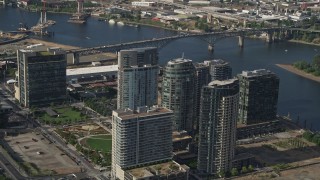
x,y
286,50
120,23
51,22
133,25
112,21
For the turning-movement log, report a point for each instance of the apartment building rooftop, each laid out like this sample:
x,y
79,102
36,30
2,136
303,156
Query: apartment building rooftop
x,y
222,83
258,72
178,61
40,50
126,114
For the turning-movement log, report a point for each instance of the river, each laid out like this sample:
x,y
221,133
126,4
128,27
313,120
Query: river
x,y
298,96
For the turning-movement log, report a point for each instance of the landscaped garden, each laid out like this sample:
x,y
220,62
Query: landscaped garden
x,y
101,143
65,115
91,140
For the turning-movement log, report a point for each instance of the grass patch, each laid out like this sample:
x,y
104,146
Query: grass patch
x,y
101,143
67,115
292,143
278,167
106,137
269,146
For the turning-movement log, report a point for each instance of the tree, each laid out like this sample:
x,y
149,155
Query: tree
x,y
222,174
234,172
250,168
244,170
316,61
138,16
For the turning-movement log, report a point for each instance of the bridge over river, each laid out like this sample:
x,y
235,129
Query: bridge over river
x,y
211,38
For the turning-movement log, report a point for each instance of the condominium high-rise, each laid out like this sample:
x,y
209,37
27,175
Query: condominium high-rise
x,y
41,77
220,70
218,119
137,77
258,96
140,137
178,87
202,78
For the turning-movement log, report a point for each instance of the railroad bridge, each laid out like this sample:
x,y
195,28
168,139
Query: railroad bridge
x,y
211,38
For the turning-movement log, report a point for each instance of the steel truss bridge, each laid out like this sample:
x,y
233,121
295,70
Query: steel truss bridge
x,y
211,38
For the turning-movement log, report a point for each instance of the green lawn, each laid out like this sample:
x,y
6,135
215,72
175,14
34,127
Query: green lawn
x,y
100,143
66,114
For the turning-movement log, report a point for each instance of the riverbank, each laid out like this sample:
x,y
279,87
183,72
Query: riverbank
x,y
298,72
8,38
302,42
49,44
104,58
126,22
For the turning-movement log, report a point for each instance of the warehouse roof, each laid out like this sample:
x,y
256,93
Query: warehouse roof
x,y
92,70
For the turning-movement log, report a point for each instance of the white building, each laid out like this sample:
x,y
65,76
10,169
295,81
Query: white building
x,y
142,4
137,78
87,74
139,138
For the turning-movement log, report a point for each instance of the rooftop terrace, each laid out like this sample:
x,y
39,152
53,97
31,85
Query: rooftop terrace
x,y
163,169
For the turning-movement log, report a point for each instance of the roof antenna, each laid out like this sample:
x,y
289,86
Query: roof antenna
x,y
183,55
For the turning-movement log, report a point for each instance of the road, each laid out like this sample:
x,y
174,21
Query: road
x,y
10,169
89,169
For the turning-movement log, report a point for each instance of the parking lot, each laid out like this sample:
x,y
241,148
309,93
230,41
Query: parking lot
x,y
41,155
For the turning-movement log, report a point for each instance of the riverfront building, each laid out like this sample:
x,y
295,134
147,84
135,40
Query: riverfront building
x,y
178,87
218,119
202,78
258,96
41,77
137,78
220,70
87,75
140,138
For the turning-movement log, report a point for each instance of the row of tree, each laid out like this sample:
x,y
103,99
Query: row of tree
x,y
313,67
105,104
236,172
312,137
95,156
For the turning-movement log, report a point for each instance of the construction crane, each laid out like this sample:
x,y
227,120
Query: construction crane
x,y
43,23
79,17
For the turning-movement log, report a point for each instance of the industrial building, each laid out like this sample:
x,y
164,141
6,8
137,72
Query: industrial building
x,y
258,96
41,77
218,119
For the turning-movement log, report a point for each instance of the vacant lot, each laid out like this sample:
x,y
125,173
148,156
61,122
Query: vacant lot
x,y
301,157
39,156
101,143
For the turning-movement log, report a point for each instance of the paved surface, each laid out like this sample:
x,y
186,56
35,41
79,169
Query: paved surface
x,y
9,168
32,147
87,168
